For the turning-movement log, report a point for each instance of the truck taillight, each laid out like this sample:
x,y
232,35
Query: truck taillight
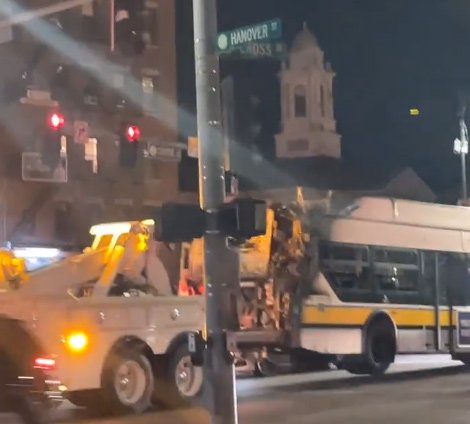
x,y
44,363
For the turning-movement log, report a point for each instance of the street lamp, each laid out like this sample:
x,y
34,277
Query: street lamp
x,y
461,148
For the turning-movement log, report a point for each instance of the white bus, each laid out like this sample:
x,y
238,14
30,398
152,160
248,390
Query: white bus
x,y
368,279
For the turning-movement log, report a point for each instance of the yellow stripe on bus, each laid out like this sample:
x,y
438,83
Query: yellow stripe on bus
x,y
358,315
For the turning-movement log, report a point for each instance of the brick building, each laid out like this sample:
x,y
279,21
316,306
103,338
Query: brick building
x,y
103,88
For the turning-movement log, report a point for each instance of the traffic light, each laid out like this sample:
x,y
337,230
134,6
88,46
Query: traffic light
x,y
176,222
51,143
129,138
240,219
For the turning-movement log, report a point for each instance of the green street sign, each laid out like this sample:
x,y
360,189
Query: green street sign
x,y
264,31
263,50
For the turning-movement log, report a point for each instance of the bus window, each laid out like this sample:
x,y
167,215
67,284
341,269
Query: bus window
x,y
397,274
346,267
455,281
427,287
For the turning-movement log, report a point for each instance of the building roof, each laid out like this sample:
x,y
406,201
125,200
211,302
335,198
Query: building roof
x,y
331,174
305,40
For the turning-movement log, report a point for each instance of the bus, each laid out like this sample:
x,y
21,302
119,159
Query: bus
x,y
361,279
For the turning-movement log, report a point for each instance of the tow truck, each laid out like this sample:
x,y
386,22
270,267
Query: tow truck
x,y
118,335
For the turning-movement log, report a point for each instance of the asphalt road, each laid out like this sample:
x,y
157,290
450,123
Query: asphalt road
x,y
424,389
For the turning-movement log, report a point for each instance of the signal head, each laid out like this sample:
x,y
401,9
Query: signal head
x,y
56,121
133,133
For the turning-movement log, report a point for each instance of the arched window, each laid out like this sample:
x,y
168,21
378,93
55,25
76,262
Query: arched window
x,y
300,102
322,101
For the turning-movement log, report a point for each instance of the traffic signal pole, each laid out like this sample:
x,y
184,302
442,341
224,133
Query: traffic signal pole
x,y
220,264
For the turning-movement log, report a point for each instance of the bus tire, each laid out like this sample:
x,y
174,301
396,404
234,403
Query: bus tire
x,y
128,382
464,358
179,383
379,350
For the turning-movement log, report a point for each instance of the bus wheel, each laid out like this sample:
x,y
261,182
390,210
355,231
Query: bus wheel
x,y
465,359
128,382
180,382
379,351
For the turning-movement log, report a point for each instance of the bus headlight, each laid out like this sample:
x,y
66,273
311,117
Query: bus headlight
x,y
76,342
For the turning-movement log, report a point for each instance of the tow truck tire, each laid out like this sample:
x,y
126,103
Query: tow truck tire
x,y
128,383
265,368
89,399
180,384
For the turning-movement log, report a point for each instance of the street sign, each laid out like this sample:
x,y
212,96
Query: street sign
x,y
261,50
163,153
264,31
80,130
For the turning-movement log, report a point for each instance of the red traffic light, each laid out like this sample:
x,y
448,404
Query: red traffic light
x,y
133,133
56,121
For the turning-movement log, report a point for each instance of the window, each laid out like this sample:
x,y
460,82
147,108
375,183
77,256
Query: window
x,y
150,23
396,270
149,93
347,269
454,278
300,102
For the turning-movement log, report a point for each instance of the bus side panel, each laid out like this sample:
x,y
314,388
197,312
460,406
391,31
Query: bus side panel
x,y
338,341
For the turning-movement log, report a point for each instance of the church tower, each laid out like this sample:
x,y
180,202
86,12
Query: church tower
x,y
307,115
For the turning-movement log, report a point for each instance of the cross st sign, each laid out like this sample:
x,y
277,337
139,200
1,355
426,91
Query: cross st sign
x,y
264,31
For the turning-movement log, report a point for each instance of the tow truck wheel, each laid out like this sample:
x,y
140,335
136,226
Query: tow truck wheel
x,y
181,382
85,399
265,368
128,382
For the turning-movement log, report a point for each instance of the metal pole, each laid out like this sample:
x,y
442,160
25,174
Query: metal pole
x,y
112,24
463,149
220,264
228,108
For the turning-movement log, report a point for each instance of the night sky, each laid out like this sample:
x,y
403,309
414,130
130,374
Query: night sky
x,y
389,56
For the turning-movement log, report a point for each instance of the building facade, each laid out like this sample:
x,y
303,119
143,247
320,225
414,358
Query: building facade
x,y
69,55
308,126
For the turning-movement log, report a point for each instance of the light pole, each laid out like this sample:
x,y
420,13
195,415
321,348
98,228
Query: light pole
x,y
221,265
461,148
463,155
